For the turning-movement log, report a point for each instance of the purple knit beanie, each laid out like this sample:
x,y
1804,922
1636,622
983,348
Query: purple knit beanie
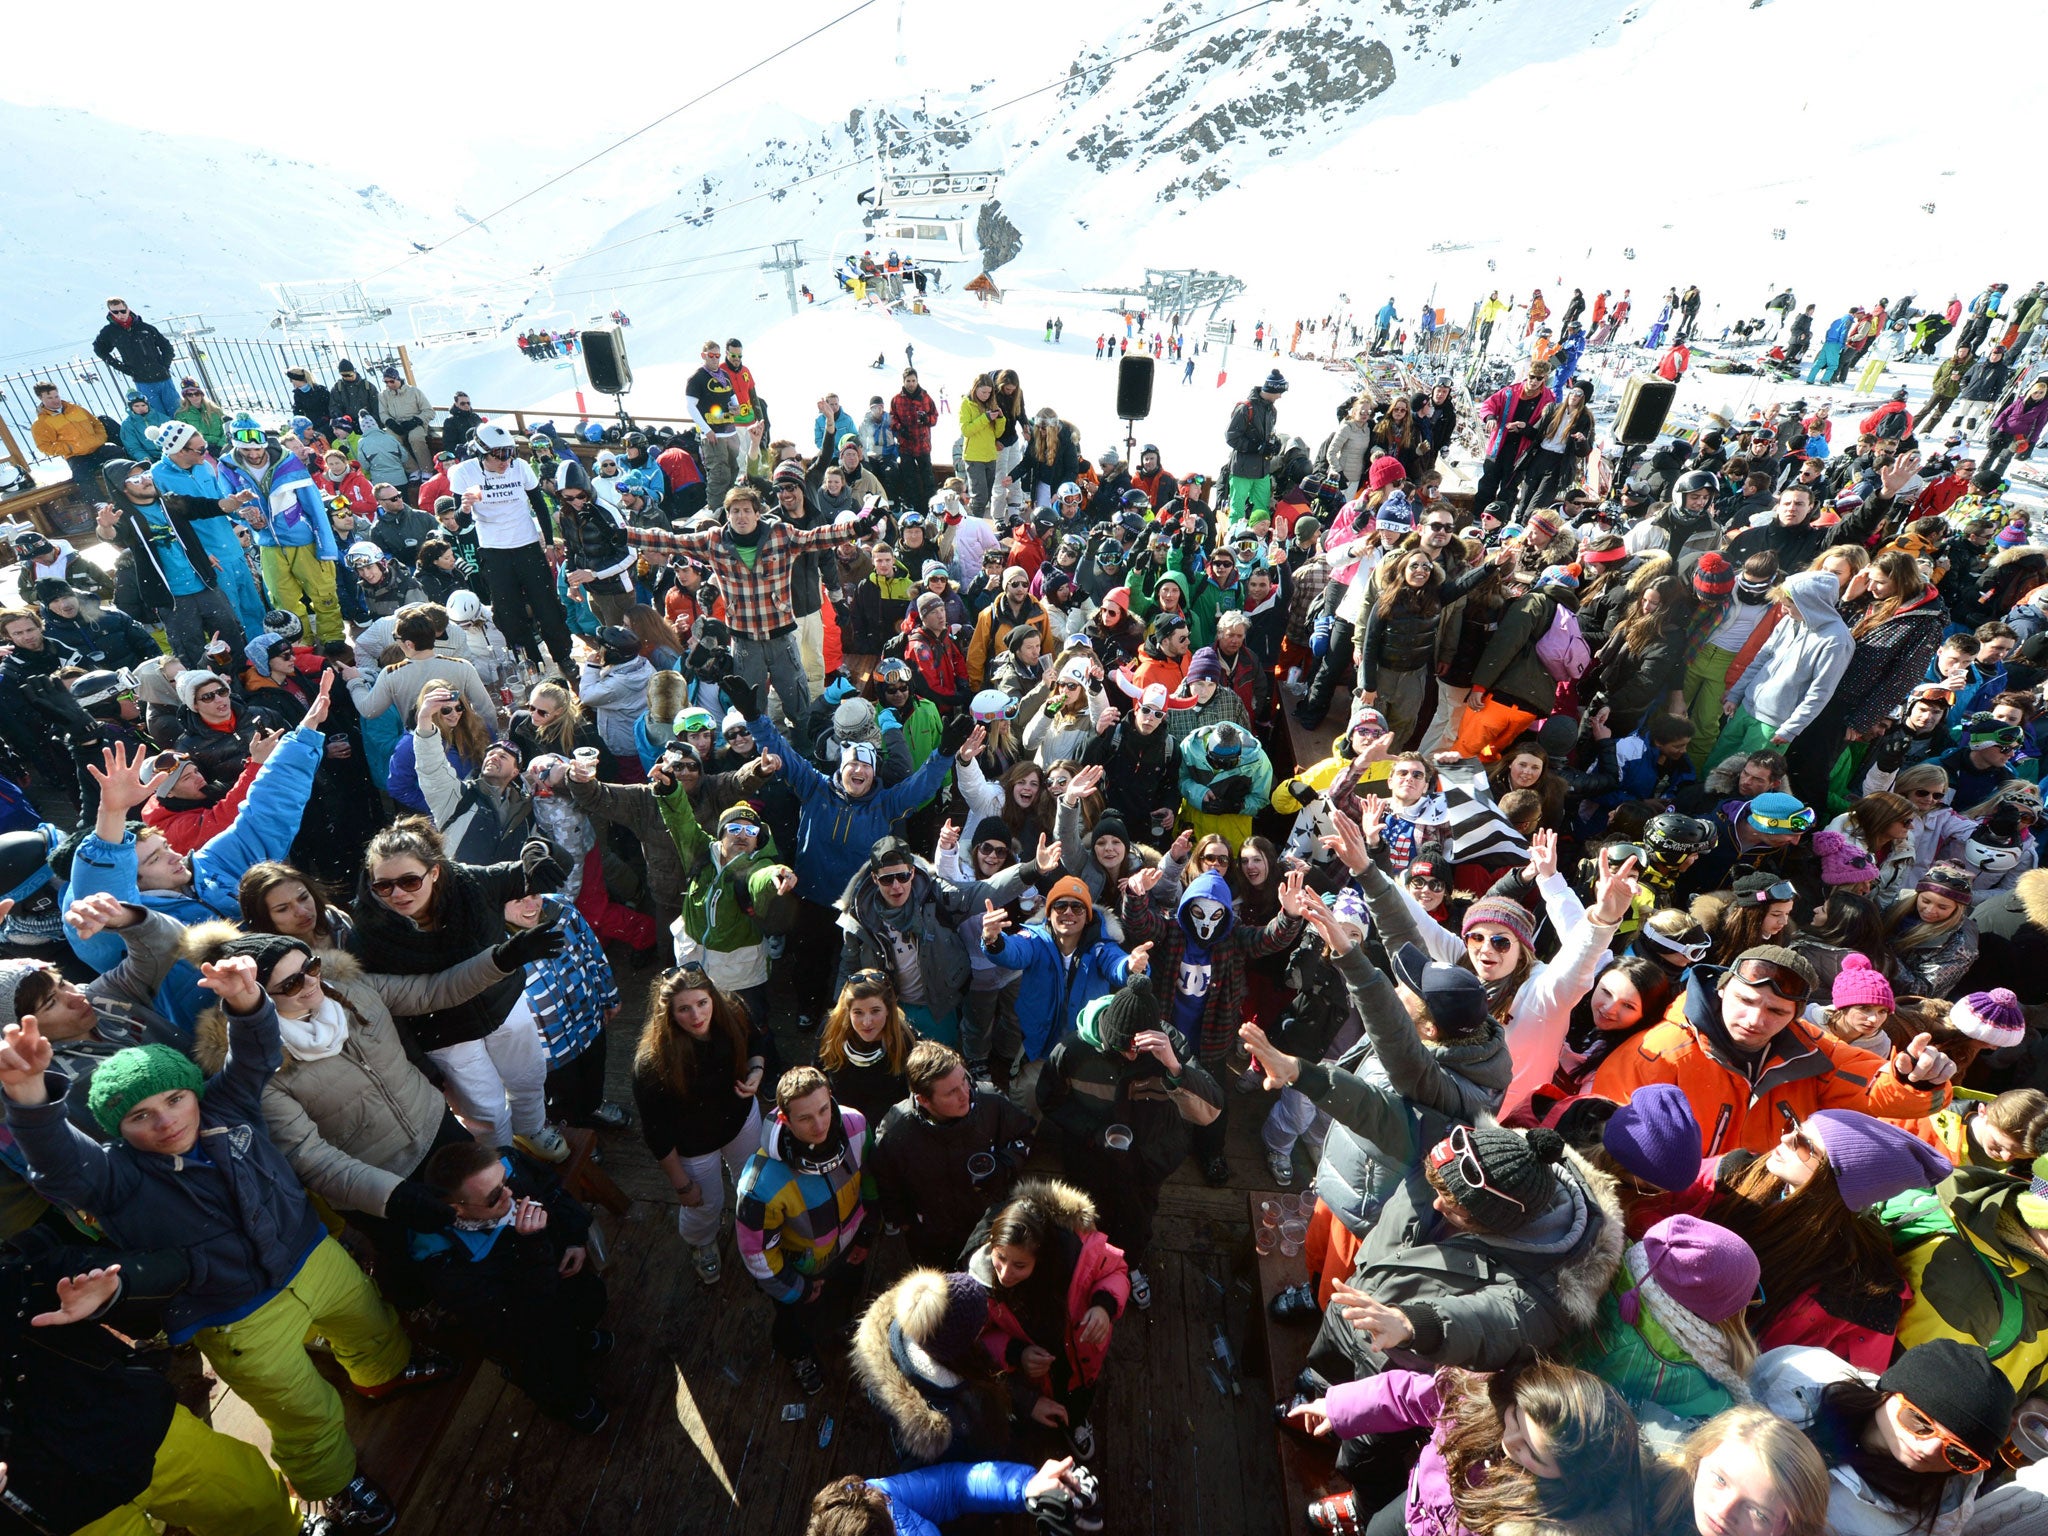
x,y
958,1328
1655,1136
1993,1017
1205,663
1511,915
1858,983
1704,1267
1873,1159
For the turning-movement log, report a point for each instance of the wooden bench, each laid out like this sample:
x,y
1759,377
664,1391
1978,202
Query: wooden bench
x,y
1308,1470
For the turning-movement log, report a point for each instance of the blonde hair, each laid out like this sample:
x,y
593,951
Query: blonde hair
x,y
468,735
1798,1475
561,735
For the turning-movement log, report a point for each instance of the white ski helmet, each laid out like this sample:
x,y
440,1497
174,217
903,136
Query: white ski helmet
x,y
464,606
490,436
363,552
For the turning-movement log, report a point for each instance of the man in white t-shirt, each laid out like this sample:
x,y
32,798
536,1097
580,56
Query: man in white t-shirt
x,y
513,531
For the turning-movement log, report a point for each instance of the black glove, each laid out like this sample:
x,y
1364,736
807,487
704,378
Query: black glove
x,y
1890,752
1303,792
545,873
414,1206
955,735
526,946
743,697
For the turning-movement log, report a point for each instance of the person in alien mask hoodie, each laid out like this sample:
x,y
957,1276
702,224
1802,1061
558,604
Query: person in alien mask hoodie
x,y
1199,957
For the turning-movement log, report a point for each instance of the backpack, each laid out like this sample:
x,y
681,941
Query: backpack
x,y
1562,648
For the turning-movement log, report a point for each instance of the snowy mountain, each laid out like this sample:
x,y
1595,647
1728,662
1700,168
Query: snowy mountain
x,y
1327,152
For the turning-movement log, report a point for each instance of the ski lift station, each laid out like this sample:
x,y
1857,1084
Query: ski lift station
x,y
923,216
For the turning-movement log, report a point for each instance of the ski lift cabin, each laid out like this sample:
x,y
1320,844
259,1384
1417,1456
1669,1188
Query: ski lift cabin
x,y
915,238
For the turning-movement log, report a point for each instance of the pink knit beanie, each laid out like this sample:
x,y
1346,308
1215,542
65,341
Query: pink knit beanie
x,y
1857,984
1993,1017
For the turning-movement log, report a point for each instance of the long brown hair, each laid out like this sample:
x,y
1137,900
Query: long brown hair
x,y
896,1033
1592,1437
260,879
1395,593
468,735
667,1052
652,630
1876,811
1014,407
1804,1237
1902,573
1039,814
1638,629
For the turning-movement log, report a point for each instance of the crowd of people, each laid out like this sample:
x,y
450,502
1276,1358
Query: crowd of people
x,y
1640,981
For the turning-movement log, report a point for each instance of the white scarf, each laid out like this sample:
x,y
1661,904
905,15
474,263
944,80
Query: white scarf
x,y
1693,1333
318,1036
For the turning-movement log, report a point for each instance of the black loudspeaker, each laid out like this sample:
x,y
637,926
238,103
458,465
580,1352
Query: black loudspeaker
x,y
604,359
1134,388
1645,402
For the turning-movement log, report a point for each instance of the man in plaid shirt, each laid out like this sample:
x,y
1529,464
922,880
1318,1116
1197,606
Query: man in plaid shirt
x,y
755,558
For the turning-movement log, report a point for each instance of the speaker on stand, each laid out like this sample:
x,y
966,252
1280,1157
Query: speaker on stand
x,y
1645,402
1133,395
609,370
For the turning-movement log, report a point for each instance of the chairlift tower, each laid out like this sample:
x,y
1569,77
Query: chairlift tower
x,y
1182,291
788,257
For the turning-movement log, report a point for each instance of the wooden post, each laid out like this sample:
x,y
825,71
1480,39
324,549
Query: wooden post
x,y
405,362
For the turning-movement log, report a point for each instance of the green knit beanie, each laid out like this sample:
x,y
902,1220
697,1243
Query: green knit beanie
x,y
128,1077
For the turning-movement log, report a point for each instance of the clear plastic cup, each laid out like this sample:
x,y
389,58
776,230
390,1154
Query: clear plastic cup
x,y
1293,1233
1269,1212
1117,1138
1265,1238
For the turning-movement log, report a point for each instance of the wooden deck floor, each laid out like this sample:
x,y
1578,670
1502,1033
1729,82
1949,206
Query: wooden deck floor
x,y
697,1441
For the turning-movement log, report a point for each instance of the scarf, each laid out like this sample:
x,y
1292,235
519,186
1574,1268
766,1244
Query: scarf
x,y
317,1036
789,1147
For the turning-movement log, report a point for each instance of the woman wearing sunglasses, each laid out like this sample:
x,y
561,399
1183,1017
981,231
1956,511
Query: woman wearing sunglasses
x,y
1809,1209
356,1119
1906,1451
417,912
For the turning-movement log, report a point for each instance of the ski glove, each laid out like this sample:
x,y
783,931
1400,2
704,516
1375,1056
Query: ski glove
x,y
741,693
544,869
1068,1511
513,955
1890,752
955,735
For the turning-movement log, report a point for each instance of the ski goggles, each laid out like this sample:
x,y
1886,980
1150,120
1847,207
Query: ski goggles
x,y
1694,950
248,437
1782,891
1781,979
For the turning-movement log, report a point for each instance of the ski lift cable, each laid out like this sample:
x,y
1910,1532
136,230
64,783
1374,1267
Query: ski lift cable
x,y
696,100
950,128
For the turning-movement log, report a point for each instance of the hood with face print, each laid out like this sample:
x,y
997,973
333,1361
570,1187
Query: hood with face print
x,y
1205,912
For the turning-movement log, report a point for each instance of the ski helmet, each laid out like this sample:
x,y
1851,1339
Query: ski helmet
x,y
1135,500
1693,480
492,438
1067,488
363,553
1671,838
620,644
991,705
99,693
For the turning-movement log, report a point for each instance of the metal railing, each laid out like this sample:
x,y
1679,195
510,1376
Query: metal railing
x,y
236,375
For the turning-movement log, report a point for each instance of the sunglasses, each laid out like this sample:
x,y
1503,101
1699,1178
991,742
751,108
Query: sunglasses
x,y
1787,983
1430,885
294,983
992,847
1068,904
1500,943
1457,1148
574,498
405,883
194,394
1215,858
739,733
899,877
1151,713
744,828
1958,1455
208,695
691,975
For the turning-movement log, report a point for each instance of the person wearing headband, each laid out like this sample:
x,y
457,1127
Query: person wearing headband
x,y
1745,1057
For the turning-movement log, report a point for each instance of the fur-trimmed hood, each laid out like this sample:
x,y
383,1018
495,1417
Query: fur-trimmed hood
x,y
338,969
1582,1279
2032,891
898,1377
1067,1205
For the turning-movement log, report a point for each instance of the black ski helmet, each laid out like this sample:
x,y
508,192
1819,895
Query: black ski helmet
x,y
1693,480
1670,838
99,693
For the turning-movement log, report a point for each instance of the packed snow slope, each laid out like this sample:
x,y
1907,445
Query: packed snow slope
x,y
1328,152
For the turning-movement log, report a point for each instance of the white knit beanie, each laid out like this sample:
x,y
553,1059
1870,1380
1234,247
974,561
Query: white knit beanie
x,y
192,680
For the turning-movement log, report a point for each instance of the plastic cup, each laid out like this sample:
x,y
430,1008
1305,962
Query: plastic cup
x,y
1117,1138
1293,1233
1269,1212
586,755
981,1167
1265,1238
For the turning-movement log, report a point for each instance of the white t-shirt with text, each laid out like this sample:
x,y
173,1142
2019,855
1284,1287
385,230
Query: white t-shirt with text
x,y
504,517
